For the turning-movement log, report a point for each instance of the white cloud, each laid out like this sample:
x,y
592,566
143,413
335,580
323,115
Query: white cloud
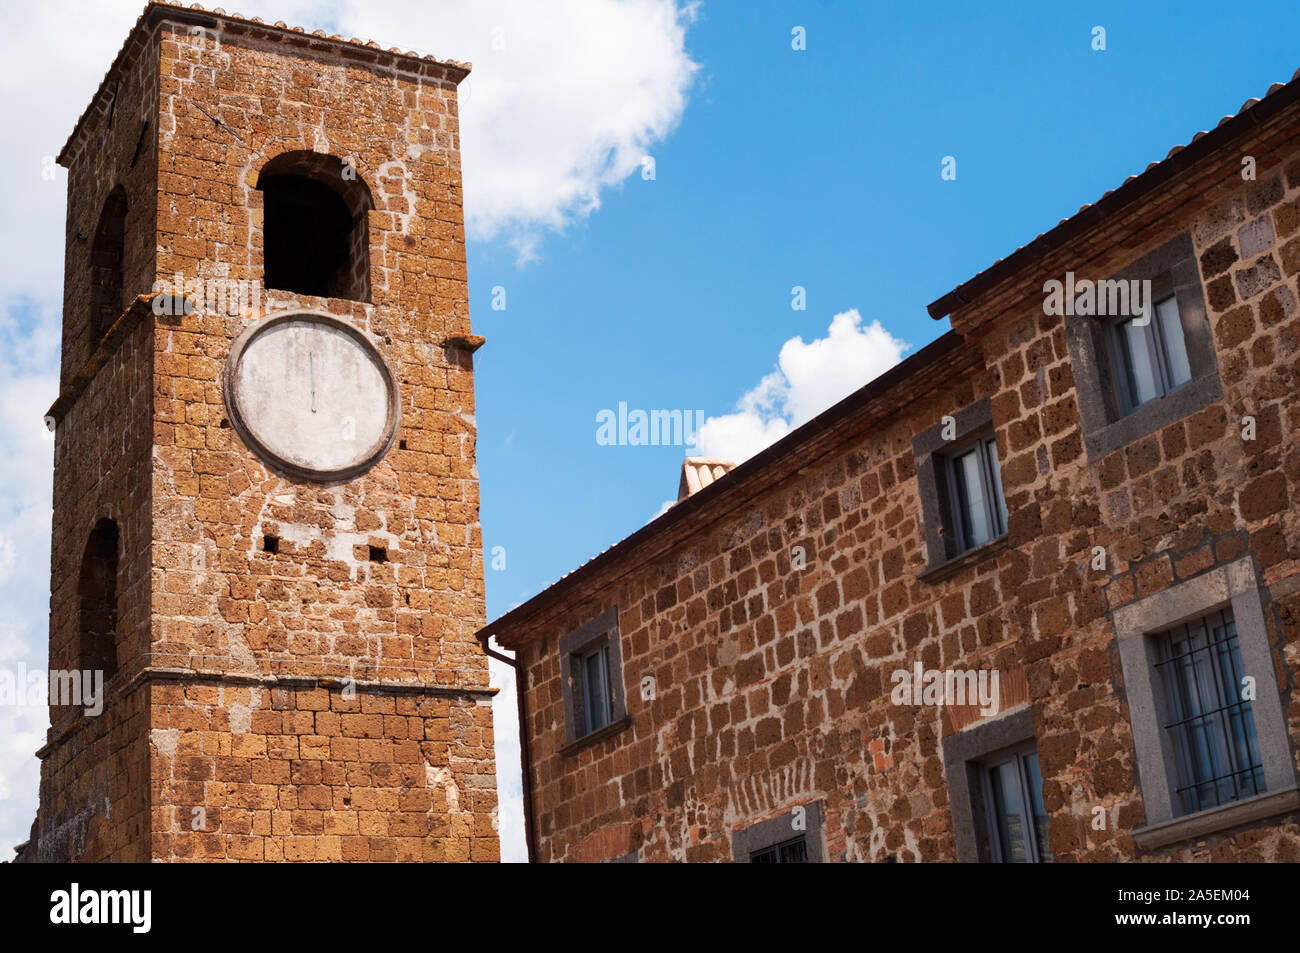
x,y
28,385
577,93
565,98
808,379
510,791
564,110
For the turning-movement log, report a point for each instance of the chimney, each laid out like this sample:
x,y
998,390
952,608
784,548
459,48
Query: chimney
x,y
699,472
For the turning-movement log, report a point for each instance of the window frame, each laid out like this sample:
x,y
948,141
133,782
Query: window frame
x,y
1178,704
933,453
598,635
1137,625
590,692
1106,423
966,755
990,477
1024,790
778,831
1122,358
778,851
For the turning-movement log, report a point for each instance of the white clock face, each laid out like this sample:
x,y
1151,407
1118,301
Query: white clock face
x,y
311,394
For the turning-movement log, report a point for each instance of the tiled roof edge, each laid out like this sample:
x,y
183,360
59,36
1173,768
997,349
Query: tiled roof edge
x,y
1136,187
157,12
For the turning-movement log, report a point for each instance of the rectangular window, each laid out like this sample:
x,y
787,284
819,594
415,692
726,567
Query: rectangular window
x,y
794,851
592,683
1208,758
975,489
596,701
1212,727
793,838
1150,355
1017,820
1135,377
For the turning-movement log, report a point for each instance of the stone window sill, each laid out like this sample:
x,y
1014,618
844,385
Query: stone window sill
x,y
1158,414
951,567
1216,819
600,734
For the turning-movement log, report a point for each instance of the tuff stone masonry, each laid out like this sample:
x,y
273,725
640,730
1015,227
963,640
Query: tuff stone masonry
x,y
758,626
293,673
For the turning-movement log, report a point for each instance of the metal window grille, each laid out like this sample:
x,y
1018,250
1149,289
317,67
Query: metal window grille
x,y
794,851
1212,725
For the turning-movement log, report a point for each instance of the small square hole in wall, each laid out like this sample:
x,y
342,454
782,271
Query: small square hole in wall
x,y
378,554
401,444
270,544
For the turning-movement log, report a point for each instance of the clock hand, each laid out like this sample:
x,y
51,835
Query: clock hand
x,y
311,356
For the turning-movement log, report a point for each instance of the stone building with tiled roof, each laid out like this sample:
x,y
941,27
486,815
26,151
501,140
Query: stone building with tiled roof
x,y
1033,594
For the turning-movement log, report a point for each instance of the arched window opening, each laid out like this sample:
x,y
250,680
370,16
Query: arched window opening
x,y
106,254
97,593
315,231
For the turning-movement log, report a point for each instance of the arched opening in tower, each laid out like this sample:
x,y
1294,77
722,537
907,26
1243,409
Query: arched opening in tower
x,y
315,233
97,594
106,255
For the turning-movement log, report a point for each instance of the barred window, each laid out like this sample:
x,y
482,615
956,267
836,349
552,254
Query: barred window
x,y
795,837
793,851
1212,725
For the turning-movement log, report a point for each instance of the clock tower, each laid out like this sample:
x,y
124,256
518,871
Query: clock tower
x,y
266,542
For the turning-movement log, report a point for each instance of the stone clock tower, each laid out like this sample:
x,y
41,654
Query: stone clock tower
x,y
266,531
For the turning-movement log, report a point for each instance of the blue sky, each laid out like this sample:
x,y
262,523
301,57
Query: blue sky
x,y
773,168
818,168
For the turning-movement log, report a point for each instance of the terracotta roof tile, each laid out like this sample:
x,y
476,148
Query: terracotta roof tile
x,y
947,300
699,472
